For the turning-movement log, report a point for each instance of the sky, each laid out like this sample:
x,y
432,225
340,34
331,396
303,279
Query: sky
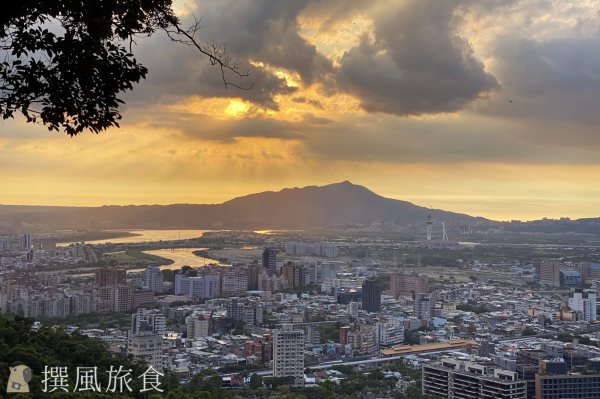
x,y
487,107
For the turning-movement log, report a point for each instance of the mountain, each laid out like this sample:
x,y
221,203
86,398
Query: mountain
x,y
339,204
333,205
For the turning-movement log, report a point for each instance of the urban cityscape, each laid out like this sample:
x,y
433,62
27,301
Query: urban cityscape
x,y
300,199
310,312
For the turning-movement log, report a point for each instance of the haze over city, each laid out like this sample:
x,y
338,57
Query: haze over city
x,y
300,199
486,108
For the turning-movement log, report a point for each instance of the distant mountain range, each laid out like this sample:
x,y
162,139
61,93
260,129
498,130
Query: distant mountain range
x,y
335,205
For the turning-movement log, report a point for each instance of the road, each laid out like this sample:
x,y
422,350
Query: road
x,y
349,362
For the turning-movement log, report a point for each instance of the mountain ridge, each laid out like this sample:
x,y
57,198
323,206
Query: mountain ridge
x,y
332,205
335,205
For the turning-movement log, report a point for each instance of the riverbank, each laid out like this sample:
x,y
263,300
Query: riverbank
x,y
102,235
141,236
137,258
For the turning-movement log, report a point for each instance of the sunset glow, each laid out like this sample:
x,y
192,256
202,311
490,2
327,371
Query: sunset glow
x,y
480,108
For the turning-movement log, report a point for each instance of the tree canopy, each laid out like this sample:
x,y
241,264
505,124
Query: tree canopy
x,y
56,348
65,63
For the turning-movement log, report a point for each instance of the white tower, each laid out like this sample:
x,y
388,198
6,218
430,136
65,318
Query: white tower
x,y
444,234
429,224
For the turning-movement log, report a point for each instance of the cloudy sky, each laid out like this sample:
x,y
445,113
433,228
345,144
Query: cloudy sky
x,y
489,107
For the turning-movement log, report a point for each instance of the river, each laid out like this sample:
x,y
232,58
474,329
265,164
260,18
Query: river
x,y
146,236
180,257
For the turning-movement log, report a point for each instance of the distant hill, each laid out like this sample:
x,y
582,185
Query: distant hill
x,y
334,205
555,226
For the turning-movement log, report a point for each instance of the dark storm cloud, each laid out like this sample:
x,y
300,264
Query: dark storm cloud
x,y
261,31
551,83
261,85
536,68
415,64
264,30
178,70
205,127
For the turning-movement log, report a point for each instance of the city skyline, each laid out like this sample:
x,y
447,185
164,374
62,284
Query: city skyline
x,y
480,108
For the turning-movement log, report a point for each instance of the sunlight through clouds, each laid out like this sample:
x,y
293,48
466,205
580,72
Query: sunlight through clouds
x,y
477,107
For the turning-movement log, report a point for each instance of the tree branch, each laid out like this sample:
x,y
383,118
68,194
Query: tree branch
x,y
216,52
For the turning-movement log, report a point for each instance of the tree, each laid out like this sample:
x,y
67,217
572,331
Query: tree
x,y
376,375
467,307
55,347
328,390
528,331
411,338
584,340
239,328
255,381
66,62
565,337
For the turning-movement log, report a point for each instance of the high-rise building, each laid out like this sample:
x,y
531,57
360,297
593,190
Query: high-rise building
x,y
207,288
78,250
548,272
371,296
253,273
288,353
584,301
109,276
58,307
153,279
346,296
311,249
343,337
4,244
117,298
312,335
25,242
555,273
147,346
80,304
197,326
584,269
562,386
121,298
453,378
204,287
423,306
408,284
269,260
141,297
389,332
148,320
248,311
293,274
181,276
234,281
569,278
271,283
